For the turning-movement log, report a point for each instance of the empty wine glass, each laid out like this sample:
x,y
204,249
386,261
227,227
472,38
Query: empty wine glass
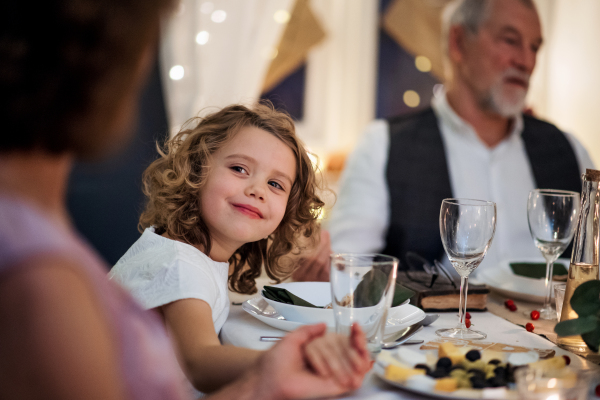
x,y
552,217
467,228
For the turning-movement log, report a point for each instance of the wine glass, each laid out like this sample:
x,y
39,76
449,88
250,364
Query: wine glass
x,y
552,217
467,228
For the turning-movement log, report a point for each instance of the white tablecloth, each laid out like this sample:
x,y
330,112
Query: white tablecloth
x,y
242,329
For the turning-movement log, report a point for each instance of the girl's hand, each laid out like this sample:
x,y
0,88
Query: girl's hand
x,y
345,359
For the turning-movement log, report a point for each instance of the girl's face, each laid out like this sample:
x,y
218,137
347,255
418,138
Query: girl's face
x,y
247,190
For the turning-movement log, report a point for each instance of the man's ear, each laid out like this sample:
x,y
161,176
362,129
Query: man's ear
x,y
456,43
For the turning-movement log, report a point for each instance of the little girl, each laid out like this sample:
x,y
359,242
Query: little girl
x,y
230,193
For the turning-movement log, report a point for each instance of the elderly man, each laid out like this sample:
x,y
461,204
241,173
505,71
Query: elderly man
x,y
474,142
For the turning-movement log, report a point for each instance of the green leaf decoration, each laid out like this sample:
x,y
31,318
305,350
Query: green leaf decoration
x,y
592,338
537,270
284,296
586,298
577,326
370,289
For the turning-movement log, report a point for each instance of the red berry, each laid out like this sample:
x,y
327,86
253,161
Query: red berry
x,y
513,307
467,315
568,361
468,323
509,303
529,327
535,314
598,390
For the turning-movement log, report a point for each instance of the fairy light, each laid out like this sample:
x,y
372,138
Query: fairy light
x,y
411,98
176,72
281,16
218,16
423,63
202,38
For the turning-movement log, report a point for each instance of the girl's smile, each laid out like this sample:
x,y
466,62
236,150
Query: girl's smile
x,y
248,210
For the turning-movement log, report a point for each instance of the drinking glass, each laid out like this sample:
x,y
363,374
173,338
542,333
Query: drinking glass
x,y
559,297
467,228
362,290
552,217
565,384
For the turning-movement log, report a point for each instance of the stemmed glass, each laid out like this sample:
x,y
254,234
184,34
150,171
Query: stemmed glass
x,y
467,228
552,217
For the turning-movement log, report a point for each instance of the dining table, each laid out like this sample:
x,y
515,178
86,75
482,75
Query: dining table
x,y
244,330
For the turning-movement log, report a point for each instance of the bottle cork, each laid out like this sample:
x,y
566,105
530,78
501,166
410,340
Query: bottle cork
x,y
592,175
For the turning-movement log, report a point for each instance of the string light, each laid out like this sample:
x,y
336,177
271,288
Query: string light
x,y
423,64
206,7
176,72
202,38
218,16
411,98
281,16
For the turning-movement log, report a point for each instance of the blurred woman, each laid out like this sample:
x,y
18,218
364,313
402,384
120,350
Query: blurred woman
x,y
70,76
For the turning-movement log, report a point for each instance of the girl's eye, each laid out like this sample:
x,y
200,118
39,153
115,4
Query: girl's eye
x,y
276,185
239,169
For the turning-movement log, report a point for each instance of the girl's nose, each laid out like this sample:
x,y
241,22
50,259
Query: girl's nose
x,y
256,190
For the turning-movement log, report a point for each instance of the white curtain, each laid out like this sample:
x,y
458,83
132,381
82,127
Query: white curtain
x,y
341,75
214,53
566,86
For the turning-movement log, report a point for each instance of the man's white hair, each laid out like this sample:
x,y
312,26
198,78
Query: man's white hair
x,y
470,14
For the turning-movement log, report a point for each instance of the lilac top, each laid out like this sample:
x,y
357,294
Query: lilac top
x,y
147,359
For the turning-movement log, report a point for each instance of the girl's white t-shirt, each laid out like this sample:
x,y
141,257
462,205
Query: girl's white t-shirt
x,y
157,271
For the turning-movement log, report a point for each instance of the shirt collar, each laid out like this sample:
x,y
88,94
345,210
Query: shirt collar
x,y
449,118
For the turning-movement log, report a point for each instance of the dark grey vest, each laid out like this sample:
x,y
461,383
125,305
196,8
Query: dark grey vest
x,y
418,180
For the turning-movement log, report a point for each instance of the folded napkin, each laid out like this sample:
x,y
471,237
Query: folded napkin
x,y
364,295
284,296
537,270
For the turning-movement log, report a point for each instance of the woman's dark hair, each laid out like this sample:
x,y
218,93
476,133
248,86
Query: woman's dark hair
x,y
63,67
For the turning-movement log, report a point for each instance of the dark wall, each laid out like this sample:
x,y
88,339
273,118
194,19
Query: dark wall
x,y
105,199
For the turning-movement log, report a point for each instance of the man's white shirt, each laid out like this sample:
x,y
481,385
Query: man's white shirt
x,y
360,218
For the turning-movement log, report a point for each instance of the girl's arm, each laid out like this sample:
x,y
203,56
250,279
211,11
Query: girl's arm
x,y
206,362
55,341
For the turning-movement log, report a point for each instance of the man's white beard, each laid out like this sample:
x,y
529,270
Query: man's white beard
x,y
508,102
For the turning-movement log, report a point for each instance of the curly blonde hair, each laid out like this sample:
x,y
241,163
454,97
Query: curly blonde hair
x,y
172,184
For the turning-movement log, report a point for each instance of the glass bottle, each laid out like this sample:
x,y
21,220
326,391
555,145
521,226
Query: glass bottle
x,y
584,259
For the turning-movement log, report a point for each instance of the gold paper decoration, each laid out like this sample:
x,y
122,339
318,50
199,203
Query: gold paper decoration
x,y
302,32
416,26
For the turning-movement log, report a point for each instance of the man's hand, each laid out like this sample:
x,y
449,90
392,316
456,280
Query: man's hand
x,y
315,266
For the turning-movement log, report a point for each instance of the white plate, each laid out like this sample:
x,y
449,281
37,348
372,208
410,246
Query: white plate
x,y
399,317
457,394
505,282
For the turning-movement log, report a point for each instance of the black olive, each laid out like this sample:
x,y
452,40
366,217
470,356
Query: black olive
x,y
473,355
478,383
500,372
423,366
444,363
495,361
439,373
496,382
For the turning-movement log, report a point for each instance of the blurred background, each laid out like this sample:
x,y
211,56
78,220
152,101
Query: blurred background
x,y
334,65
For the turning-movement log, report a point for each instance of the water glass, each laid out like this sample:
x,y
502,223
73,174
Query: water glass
x,y
559,297
568,384
362,290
